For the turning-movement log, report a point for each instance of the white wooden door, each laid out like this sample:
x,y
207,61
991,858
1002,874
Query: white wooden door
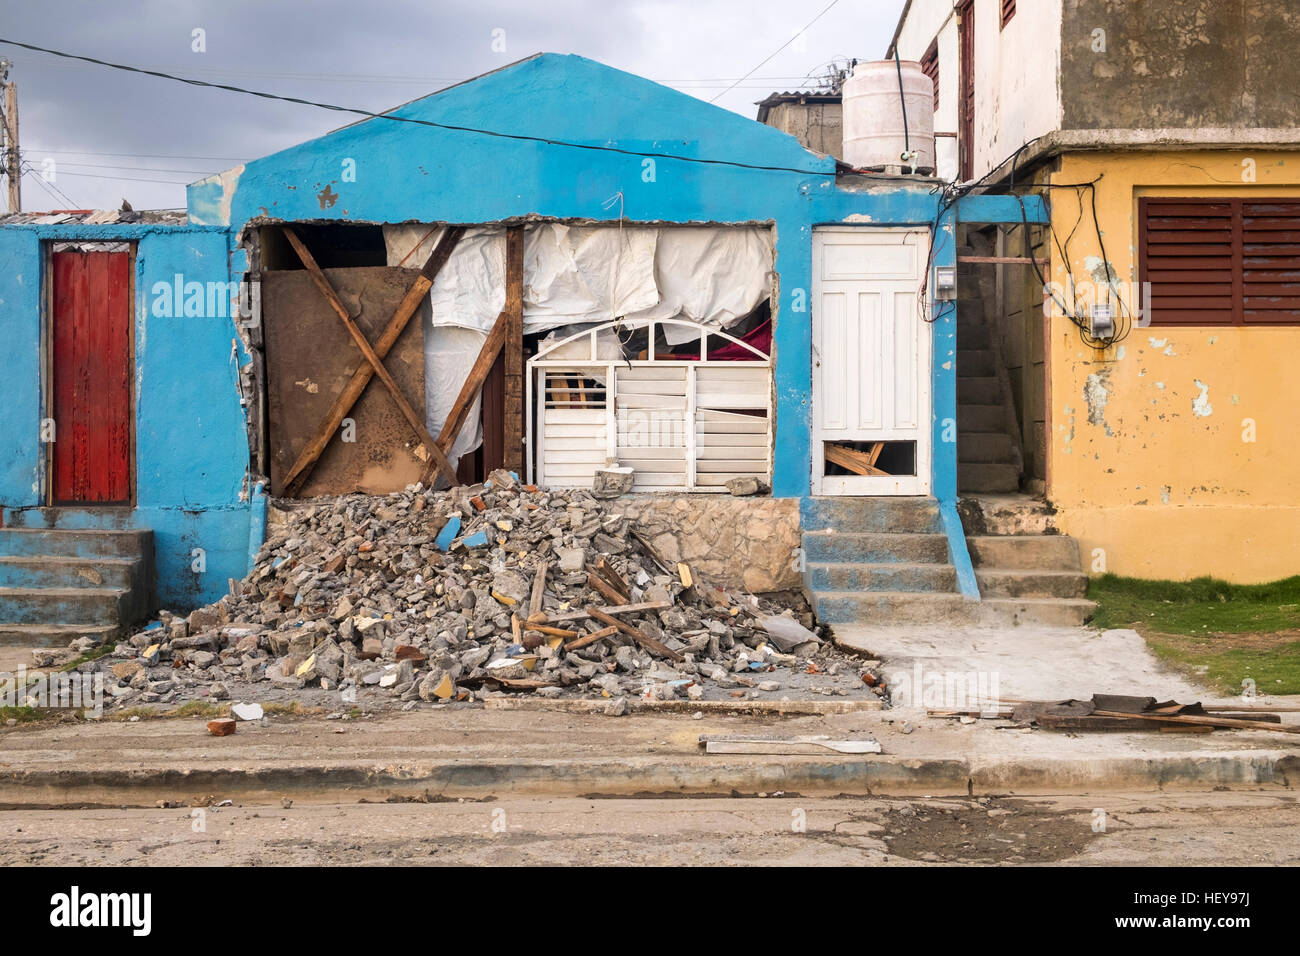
x,y
871,357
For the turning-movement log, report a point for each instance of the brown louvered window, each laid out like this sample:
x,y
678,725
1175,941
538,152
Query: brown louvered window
x,y
930,67
1008,11
1221,261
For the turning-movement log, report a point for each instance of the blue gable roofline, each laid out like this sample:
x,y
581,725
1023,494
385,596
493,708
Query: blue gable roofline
x,y
358,172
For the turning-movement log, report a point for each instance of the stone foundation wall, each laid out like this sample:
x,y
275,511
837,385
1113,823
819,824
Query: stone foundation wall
x,y
734,542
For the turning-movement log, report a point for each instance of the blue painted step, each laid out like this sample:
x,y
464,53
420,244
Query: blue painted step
x,y
874,548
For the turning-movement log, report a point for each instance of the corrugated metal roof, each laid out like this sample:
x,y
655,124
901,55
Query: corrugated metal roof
x,y
96,217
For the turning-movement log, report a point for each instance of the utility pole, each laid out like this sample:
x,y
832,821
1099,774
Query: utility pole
x,y
12,167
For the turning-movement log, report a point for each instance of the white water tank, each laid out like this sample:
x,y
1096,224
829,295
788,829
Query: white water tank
x,y
873,115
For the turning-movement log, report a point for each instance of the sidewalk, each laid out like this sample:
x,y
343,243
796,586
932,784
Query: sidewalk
x,y
479,753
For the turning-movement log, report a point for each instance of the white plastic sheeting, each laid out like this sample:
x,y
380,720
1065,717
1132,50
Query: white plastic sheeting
x,y
713,275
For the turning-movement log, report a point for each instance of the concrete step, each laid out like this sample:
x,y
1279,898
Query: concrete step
x,y
1008,582
980,418
987,477
985,447
54,635
79,543
110,517
102,606
1029,552
893,607
1041,612
870,514
874,548
57,572
1006,514
895,576
974,336
977,362
979,390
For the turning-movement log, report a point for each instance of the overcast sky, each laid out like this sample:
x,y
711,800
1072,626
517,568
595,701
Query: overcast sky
x,y
108,132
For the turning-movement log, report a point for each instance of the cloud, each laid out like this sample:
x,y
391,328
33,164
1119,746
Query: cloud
x,y
106,130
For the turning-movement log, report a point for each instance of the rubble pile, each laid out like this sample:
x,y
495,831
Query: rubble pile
x,y
496,588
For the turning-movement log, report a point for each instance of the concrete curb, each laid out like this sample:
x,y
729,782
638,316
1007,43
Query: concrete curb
x,y
789,708
640,776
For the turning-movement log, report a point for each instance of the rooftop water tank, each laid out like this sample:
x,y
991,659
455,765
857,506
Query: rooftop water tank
x,y
873,116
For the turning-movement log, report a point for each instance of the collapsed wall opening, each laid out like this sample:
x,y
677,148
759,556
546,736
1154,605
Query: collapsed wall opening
x,y
654,290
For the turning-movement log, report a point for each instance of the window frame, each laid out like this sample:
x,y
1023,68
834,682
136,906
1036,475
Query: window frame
x,y
1238,225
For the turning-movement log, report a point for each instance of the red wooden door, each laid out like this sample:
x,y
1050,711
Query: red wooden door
x,y
91,359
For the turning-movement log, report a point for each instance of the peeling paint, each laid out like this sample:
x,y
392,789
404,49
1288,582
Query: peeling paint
x,y
1165,492
1157,343
1201,406
1097,393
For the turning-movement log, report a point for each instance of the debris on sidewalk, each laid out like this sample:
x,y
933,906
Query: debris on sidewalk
x,y
221,727
786,746
1113,712
479,591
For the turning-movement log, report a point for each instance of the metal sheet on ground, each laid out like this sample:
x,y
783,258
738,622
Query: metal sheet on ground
x,y
309,358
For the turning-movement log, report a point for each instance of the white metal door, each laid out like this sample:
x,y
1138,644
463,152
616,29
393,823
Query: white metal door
x,y
871,358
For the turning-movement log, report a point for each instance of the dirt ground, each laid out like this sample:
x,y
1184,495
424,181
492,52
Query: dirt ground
x,y
1103,829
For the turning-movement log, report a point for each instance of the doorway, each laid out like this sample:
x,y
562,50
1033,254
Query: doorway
x,y
91,381
871,363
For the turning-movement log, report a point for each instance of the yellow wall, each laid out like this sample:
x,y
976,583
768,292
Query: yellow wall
x,y
1145,463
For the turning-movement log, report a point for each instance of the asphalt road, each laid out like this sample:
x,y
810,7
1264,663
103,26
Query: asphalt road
x,y
1238,828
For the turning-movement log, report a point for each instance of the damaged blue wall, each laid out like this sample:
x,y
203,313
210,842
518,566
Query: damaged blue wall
x,y
191,447
384,171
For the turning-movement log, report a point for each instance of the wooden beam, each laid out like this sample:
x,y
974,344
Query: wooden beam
x,y
514,350
645,640
539,585
1198,721
439,459
591,638
363,373
852,459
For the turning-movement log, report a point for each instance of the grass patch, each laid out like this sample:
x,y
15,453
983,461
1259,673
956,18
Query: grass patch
x,y
94,654
23,715
1219,632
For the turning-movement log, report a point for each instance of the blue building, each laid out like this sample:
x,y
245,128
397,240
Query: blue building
x,y
643,219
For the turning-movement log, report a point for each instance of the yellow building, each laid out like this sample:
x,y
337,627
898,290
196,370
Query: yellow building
x,y
1165,139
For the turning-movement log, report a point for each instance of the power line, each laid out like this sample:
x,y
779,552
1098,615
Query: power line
x,y
50,188
61,164
430,123
91,152
129,179
776,51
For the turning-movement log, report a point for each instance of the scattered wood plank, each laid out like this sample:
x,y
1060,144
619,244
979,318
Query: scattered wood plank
x,y
1193,720
607,571
552,631
645,640
591,638
860,463
655,556
363,372
564,617
601,586
539,589
439,459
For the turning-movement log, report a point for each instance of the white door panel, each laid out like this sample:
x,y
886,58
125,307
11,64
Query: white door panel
x,y
871,353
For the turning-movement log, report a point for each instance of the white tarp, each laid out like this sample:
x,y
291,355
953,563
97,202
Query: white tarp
x,y
572,274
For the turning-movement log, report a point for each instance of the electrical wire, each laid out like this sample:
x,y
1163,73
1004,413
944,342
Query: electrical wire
x,y
370,114
776,51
